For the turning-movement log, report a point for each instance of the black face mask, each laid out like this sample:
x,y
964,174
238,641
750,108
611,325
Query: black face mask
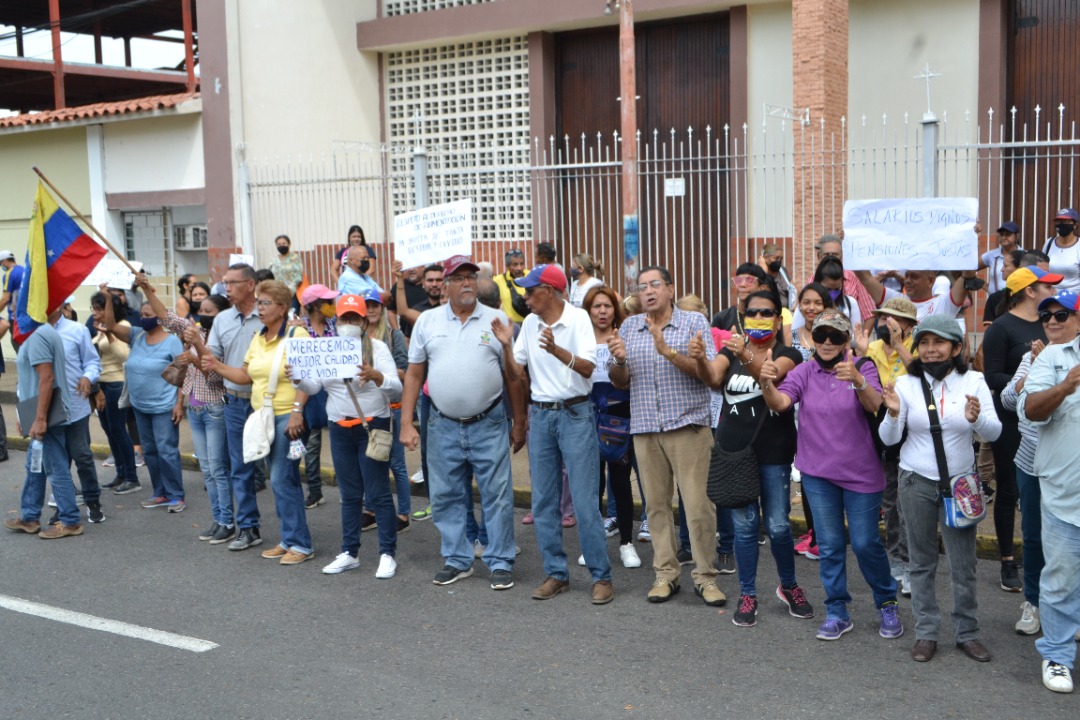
x,y
283,249
883,333
938,370
829,364
774,266
1065,229
207,321
364,266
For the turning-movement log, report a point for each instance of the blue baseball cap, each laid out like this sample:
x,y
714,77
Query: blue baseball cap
x,y
371,295
1065,298
1067,214
544,275
1009,227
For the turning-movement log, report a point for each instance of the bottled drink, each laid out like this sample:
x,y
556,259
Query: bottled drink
x,y
36,450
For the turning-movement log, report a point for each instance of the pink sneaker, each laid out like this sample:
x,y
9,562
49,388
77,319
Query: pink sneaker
x,y
528,519
803,543
812,553
569,521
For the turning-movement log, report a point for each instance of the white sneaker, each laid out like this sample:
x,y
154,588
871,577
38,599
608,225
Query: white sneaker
x,y
341,563
1056,677
52,500
581,560
1028,624
629,556
643,532
417,477
387,567
903,584
478,549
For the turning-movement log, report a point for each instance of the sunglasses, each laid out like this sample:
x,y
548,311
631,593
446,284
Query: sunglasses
x,y
1059,315
833,336
760,312
743,280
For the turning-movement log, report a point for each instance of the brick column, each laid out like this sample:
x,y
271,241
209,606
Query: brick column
x,y
819,30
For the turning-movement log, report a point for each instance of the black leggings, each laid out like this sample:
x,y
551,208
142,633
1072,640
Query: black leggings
x,y
619,473
1006,493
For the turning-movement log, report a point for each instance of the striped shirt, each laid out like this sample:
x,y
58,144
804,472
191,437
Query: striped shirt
x,y
208,389
1029,434
663,397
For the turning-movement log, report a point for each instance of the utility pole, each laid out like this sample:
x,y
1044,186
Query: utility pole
x,y
628,86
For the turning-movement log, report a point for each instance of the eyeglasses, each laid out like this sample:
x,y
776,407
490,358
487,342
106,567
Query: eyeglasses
x,y
515,254
760,312
458,279
835,337
265,303
829,255
744,280
654,284
1059,315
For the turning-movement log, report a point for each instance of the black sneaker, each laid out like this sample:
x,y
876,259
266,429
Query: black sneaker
x,y
502,580
313,501
367,522
684,556
127,487
795,599
224,533
746,615
208,533
54,519
94,514
403,523
117,482
725,563
1010,577
450,574
247,537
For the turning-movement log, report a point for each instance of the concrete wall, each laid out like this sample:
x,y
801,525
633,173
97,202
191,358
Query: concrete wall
x,y
162,153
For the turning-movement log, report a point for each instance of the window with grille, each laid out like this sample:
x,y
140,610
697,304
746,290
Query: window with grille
x,y
408,7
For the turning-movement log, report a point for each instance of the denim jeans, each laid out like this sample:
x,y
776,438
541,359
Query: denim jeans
x,y
57,467
725,529
1059,590
241,474
361,481
77,437
863,510
474,529
924,514
1031,529
776,506
114,422
160,443
559,437
207,423
288,491
397,466
457,453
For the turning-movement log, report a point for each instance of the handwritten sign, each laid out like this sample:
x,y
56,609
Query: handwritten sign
x,y
112,272
235,258
911,234
716,405
324,358
433,234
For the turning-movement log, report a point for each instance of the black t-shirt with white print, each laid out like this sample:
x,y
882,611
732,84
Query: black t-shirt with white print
x,y
743,405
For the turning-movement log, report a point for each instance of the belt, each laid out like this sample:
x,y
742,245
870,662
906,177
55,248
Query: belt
x,y
560,404
238,395
474,418
348,422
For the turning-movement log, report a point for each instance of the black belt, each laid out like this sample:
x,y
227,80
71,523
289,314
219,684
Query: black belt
x,y
560,404
473,418
239,395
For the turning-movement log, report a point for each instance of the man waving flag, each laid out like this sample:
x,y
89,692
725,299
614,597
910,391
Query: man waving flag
x,y
59,256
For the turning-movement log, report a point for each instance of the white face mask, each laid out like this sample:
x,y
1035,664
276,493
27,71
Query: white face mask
x,y
350,331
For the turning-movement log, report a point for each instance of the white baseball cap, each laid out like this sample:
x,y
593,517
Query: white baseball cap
x,y
6,255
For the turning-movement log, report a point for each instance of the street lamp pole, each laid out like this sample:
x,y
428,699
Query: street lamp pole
x,y
628,86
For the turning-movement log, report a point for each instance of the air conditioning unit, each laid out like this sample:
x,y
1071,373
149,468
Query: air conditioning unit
x,y
189,237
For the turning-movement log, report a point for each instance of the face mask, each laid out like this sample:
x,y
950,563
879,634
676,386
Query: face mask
x,y
575,273
327,310
759,330
207,321
835,295
829,364
350,331
883,333
938,370
283,249
148,324
774,266
1065,229
364,266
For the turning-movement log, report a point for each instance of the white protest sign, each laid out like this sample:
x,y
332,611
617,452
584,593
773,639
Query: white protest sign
x,y
911,234
324,358
112,272
433,234
235,258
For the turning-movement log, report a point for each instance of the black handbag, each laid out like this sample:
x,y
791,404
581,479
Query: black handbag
x,y
734,481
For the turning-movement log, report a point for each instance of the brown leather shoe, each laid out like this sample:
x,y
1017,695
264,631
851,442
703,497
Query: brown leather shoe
x,y
975,650
602,592
924,650
550,588
295,558
275,552
60,530
20,525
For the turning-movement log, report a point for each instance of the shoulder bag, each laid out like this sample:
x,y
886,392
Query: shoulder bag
x,y
613,434
734,481
962,495
259,427
379,441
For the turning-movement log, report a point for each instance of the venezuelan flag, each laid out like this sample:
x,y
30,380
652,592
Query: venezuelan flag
x,y
59,256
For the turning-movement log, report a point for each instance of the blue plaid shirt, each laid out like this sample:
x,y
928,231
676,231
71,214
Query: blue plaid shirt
x,y
663,397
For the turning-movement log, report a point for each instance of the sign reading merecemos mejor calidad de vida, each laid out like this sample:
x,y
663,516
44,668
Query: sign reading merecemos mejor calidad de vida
x,y
324,358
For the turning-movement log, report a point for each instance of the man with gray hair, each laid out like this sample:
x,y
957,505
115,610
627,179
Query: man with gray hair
x,y
515,268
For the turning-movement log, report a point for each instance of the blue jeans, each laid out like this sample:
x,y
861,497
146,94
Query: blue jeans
x,y
160,442
241,474
77,437
57,467
361,481
567,437
474,530
457,453
207,423
288,491
1031,529
1059,590
776,506
863,510
397,466
114,422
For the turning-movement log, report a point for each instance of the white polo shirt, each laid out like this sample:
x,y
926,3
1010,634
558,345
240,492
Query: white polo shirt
x,y
551,380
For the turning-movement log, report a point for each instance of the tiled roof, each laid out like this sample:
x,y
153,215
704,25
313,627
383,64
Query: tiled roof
x,y
84,112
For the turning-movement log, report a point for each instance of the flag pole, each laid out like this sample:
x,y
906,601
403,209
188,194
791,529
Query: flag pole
x,y
85,221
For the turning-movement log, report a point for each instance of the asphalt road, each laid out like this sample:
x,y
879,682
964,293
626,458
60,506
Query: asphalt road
x,y
293,643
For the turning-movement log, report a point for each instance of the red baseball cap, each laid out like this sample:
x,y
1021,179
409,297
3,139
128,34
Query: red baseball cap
x,y
457,262
351,303
544,275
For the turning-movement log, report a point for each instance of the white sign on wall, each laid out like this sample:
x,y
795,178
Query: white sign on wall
x,y
112,272
324,358
433,234
911,234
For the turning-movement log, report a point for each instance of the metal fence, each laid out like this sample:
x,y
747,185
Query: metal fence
x,y
709,199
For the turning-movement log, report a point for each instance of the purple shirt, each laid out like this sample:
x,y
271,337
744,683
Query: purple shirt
x,y
834,437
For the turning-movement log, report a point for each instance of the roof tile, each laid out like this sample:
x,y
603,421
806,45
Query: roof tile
x,y
83,112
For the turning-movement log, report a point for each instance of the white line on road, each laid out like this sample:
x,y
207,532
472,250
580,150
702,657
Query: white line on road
x,y
112,626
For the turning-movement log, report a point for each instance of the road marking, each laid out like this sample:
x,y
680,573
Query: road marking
x,y
116,627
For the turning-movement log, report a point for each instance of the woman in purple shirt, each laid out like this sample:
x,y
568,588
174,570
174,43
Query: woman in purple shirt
x,y
841,473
